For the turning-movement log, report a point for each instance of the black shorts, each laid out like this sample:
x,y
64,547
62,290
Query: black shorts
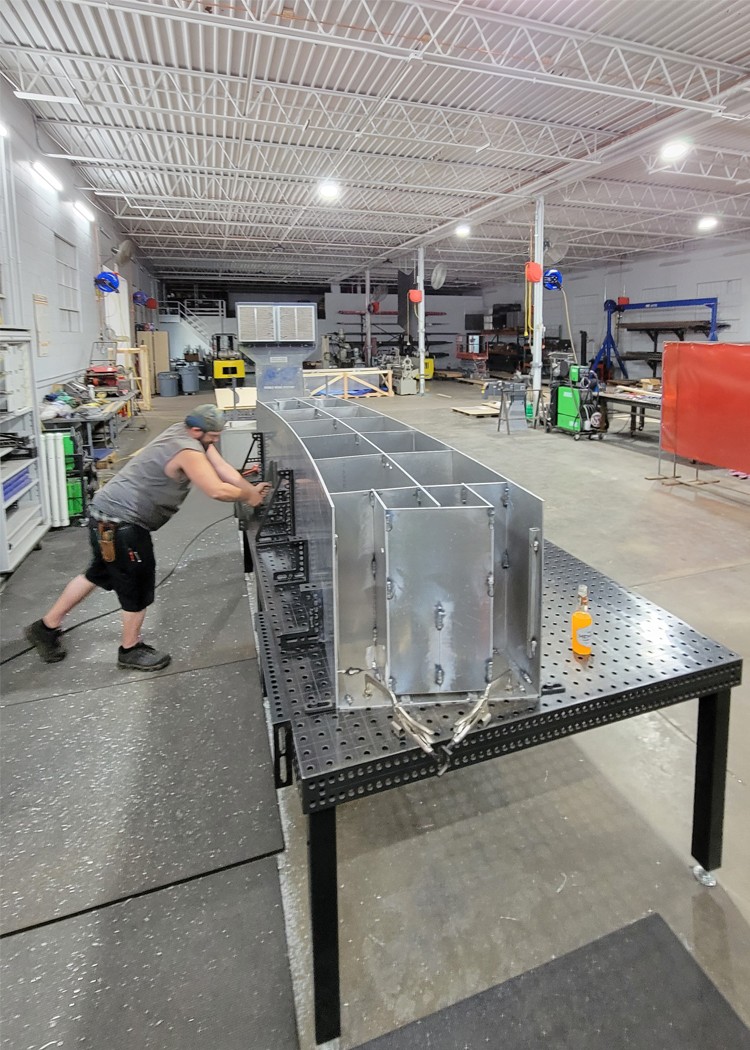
x,y
132,575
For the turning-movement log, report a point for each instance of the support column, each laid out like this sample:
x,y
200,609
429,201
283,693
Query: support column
x,y
367,348
538,331
420,315
324,912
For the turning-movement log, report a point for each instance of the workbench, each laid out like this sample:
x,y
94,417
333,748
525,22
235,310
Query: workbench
x,y
113,416
643,659
640,405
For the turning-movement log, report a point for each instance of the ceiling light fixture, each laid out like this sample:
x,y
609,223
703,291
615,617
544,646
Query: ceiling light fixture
x,y
329,190
463,229
708,222
43,96
674,150
85,211
3,131
46,176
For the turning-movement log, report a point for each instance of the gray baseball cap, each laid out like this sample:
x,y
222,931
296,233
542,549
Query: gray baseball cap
x,y
206,417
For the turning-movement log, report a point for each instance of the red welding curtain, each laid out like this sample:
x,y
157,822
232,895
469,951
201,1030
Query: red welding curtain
x,y
705,403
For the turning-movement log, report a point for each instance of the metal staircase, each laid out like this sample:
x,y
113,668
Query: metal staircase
x,y
191,312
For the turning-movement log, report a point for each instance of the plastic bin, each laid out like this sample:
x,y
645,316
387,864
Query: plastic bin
x,y
169,384
190,379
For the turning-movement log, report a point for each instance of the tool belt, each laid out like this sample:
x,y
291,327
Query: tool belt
x,y
107,531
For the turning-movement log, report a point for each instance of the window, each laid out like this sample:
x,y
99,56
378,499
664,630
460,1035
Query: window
x,y
68,287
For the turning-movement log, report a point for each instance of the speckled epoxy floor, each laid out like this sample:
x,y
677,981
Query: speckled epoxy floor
x,y
446,887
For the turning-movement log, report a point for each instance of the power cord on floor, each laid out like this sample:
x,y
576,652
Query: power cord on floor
x,y
163,580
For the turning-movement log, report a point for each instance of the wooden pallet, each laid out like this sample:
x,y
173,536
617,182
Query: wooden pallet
x,y
478,411
445,373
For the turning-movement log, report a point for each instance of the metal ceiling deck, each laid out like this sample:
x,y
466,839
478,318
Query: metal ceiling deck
x,y
204,128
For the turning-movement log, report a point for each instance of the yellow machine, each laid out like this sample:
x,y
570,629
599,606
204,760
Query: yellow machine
x,y
229,369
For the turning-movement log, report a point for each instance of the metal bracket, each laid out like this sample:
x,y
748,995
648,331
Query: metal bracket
x,y
283,742
535,580
303,615
299,571
278,520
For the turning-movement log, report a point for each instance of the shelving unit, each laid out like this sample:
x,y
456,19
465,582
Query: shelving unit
x,y
24,518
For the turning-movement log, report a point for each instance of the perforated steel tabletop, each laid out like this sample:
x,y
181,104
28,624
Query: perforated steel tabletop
x,y
643,659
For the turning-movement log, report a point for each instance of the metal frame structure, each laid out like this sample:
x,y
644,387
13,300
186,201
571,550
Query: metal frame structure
x,y
339,755
362,527
609,346
205,130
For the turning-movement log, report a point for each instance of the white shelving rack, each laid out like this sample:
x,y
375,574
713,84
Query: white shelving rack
x,y
24,517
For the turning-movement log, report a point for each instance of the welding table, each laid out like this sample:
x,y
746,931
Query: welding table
x,y
644,659
639,404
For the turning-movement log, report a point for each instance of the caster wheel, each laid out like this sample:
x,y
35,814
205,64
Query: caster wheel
x,y
37,546
601,437
576,437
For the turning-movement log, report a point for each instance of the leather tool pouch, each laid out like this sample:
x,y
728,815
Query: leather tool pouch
x,y
107,540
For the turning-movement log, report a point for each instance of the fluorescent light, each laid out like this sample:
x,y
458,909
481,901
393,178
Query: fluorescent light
x,y
674,150
85,211
3,131
329,190
42,96
46,175
708,222
463,230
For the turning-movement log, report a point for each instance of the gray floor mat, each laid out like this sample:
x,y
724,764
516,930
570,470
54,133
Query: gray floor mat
x,y
636,987
190,967
111,792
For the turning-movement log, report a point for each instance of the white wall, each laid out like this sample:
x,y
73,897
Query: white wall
x,y
41,213
712,269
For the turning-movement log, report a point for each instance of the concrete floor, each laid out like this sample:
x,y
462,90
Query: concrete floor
x,y
449,887
452,886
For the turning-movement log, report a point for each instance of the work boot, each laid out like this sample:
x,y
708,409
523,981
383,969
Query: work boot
x,y
46,641
142,657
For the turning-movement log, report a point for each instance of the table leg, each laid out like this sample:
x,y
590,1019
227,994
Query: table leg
x,y
633,420
247,555
325,923
710,778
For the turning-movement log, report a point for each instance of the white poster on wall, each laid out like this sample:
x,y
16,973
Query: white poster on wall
x,y
41,323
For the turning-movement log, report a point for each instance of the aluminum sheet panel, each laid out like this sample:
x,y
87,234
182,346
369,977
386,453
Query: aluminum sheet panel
x,y
362,472
438,607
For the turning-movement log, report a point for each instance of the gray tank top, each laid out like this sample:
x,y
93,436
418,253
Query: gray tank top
x,y
141,493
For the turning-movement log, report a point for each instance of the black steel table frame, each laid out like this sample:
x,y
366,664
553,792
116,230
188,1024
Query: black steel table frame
x,y
708,819
340,756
